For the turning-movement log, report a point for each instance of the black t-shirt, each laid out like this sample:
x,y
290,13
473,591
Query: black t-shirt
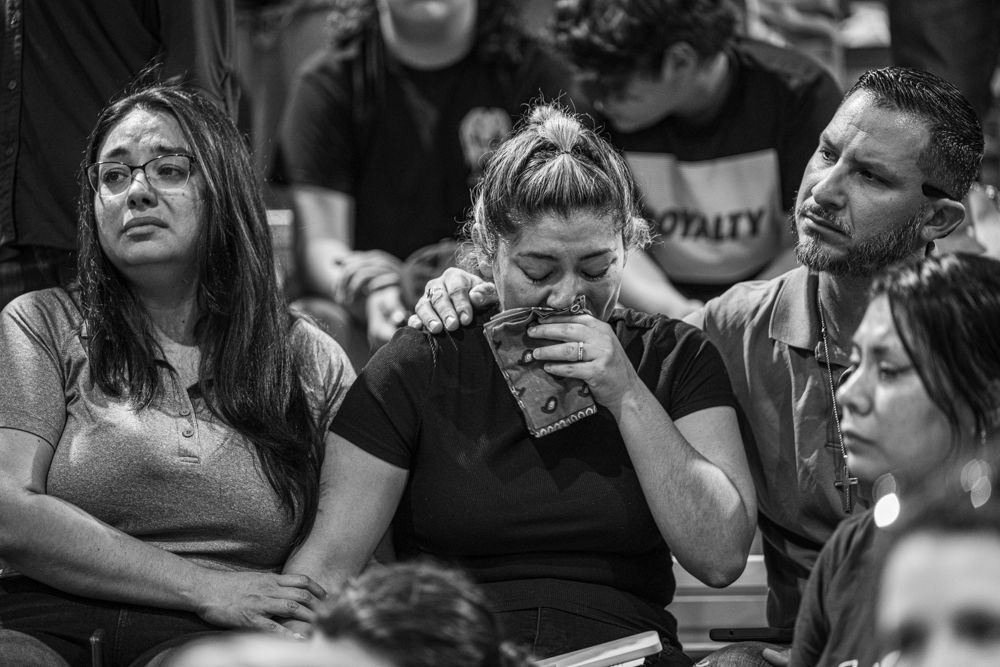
x,y
836,621
486,495
407,145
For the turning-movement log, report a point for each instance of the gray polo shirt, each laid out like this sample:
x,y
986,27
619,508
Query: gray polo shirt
x,y
768,334
171,474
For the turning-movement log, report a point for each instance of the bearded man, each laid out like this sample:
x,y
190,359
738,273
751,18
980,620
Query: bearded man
x,y
885,181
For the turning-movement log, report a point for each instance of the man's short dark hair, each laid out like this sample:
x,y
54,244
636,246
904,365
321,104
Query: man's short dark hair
x,y
612,40
954,153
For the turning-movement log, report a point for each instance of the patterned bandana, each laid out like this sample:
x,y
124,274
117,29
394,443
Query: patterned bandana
x,y
549,402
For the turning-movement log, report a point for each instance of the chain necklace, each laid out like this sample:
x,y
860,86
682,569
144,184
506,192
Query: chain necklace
x,y
844,482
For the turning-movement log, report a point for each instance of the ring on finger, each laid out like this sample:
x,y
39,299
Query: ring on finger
x,y
579,351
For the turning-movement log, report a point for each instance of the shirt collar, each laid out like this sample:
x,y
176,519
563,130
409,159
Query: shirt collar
x,y
794,320
85,335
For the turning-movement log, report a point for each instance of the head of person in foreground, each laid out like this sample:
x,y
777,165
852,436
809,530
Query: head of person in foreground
x,y
416,614
939,593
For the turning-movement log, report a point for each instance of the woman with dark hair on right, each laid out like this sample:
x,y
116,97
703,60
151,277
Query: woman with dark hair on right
x,y
921,397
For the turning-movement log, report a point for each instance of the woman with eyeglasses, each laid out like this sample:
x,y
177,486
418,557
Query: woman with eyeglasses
x,y
922,396
162,425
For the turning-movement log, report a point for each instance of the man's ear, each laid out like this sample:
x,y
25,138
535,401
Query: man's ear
x,y
945,215
679,58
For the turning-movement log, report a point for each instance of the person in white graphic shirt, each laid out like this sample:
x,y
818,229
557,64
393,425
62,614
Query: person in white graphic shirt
x,y
716,128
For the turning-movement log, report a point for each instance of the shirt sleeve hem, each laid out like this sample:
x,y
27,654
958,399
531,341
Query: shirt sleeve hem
x,y
29,426
359,439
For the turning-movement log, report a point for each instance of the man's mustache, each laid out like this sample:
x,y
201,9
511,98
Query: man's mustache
x,y
823,215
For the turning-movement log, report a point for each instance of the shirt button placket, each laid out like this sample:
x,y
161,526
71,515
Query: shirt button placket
x,y
188,429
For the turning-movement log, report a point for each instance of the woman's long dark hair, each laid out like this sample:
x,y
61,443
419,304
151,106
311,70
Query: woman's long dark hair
x,y
947,311
244,329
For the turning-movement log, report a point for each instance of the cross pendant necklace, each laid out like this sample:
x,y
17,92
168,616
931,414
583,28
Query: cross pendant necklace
x,y
844,482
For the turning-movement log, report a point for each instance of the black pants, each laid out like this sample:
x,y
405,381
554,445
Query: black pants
x,y
132,634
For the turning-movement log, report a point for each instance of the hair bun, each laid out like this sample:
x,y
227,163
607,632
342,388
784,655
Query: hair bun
x,y
557,125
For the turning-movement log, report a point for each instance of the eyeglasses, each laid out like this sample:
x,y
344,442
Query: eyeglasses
x,y
164,172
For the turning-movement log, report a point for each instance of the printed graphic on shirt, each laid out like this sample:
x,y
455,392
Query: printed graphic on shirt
x,y
717,220
479,131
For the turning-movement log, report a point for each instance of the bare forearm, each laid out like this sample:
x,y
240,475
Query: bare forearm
x,y
324,221
703,515
646,288
358,497
325,562
76,553
324,266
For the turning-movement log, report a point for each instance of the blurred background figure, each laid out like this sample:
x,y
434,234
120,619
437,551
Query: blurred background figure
x,y
273,39
383,136
921,397
939,599
717,129
959,40
809,26
61,64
